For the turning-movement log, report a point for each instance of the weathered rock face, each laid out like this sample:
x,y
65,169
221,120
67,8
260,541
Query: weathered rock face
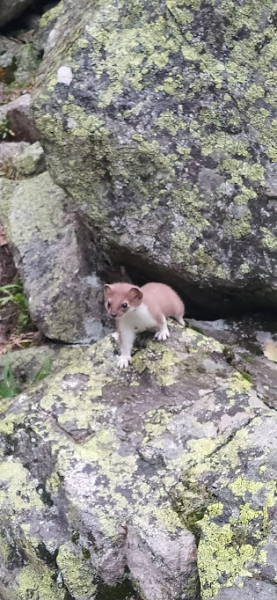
x,y
65,295
110,479
159,119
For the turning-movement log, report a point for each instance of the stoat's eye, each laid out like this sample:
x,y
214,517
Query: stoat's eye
x,y
124,305
108,304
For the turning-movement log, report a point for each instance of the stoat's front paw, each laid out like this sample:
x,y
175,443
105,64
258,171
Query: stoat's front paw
x,y
161,336
123,361
115,336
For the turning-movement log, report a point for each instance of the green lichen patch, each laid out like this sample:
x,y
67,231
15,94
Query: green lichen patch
x,y
219,553
51,15
39,585
77,571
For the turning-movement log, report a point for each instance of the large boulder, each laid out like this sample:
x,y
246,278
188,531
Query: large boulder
x,y
56,266
110,479
159,119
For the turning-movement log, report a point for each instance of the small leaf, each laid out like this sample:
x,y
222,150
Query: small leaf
x,y
270,351
8,386
4,301
44,370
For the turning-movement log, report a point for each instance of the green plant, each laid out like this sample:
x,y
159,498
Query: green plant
x,y
43,371
197,329
5,129
246,376
8,386
14,293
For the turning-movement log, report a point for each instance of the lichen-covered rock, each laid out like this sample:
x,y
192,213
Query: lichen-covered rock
x,y
109,478
27,65
20,159
160,119
18,61
31,161
238,531
59,278
18,118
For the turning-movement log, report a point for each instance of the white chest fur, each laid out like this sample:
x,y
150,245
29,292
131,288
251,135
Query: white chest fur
x,y
138,319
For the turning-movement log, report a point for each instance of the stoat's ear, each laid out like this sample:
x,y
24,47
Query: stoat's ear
x,y
107,288
135,294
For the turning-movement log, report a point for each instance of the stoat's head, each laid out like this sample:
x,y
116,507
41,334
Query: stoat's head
x,y
121,298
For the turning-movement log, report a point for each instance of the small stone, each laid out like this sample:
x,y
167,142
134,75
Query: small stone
x,y
65,75
31,161
19,119
9,151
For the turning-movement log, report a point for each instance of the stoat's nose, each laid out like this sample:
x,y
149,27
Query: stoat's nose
x,y
113,315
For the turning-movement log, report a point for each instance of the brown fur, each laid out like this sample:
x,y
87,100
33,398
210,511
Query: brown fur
x,y
160,299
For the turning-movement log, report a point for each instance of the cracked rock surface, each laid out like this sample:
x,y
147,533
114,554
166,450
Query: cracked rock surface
x,y
153,483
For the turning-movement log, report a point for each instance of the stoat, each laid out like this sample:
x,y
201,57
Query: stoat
x,y
139,308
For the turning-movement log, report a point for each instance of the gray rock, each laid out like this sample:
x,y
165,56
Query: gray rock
x,y
162,564
271,181
10,53
9,150
64,294
27,65
47,33
31,161
251,590
18,61
162,139
11,9
19,119
21,159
